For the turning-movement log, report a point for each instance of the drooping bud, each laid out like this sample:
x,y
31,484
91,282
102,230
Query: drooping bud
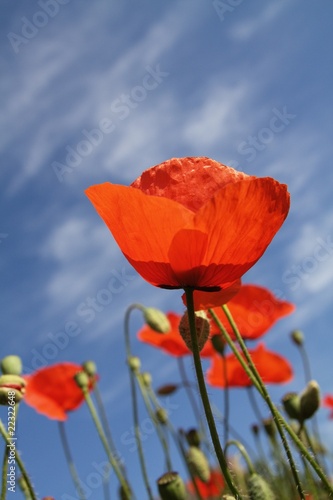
x,y
171,487
218,343
259,489
198,463
156,319
166,390
297,337
12,389
309,400
291,405
134,363
90,368
82,380
201,326
11,365
161,415
193,438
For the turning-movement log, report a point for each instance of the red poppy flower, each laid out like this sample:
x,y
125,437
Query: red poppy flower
x,y
171,342
212,489
192,222
273,369
328,402
52,390
255,310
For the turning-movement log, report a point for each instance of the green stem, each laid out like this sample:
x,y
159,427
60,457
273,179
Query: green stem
x,y
243,452
145,394
113,462
22,468
70,461
135,403
204,396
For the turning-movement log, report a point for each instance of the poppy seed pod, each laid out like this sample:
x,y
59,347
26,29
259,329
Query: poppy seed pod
x,y
156,319
201,328
309,400
171,487
12,388
198,463
11,365
218,343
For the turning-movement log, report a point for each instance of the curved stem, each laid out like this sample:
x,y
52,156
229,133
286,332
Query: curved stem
x,y
204,396
243,452
69,460
135,403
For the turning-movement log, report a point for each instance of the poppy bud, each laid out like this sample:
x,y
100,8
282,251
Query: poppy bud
x,y
255,429
291,405
161,415
259,489
167,389
218,343
156,319
171,487
134,363
228,497
90,368
146,379
269,427
193,438
11,365
12,388
201,327
297,337
82,380
198,463
309,400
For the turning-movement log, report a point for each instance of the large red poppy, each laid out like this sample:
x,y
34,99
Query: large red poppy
x,y
171,342
272,367
192,222
255,310
212,489
52,390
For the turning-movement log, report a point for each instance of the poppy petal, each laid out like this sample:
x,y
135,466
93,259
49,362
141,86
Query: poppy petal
x,y
143,226
210,300
272,367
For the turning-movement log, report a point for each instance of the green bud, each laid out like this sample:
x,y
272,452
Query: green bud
x,y
134,363
12,389
291,405
193,438
82,380
156,319
309,400
146,379
198,463
90,368
11,365
171,487
218,343
259,489
297,337
161,415
269,426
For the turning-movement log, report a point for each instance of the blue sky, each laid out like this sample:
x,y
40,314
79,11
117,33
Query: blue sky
x,y
95,92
